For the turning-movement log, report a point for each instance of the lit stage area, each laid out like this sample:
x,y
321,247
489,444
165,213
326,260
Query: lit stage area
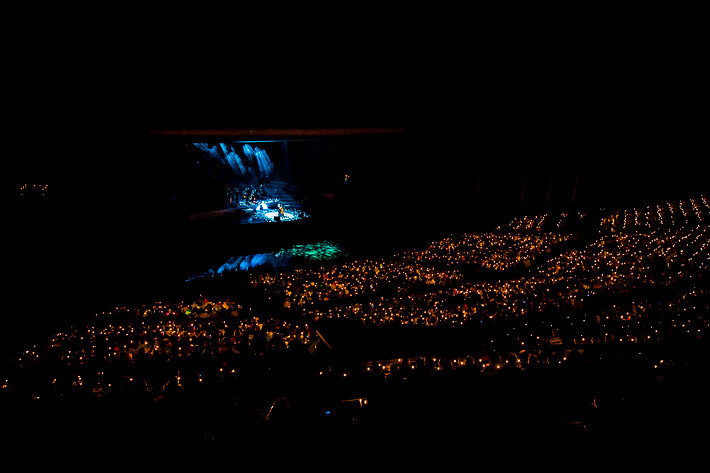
x,y
268,210
218,178
245,183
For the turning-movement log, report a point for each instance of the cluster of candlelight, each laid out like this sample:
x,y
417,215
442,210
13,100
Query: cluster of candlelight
x,y
639,280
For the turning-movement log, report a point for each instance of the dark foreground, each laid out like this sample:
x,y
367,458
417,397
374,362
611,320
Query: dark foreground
x,y
602,393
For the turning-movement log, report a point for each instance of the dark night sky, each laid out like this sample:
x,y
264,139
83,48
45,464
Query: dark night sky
x,y
618,98
517,90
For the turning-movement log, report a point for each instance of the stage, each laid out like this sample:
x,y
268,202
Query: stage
x,y
274,204
263,211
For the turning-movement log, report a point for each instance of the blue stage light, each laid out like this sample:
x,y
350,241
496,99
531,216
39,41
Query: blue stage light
x,y
255,165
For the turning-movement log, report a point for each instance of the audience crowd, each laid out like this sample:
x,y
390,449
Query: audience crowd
x,y
641,279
